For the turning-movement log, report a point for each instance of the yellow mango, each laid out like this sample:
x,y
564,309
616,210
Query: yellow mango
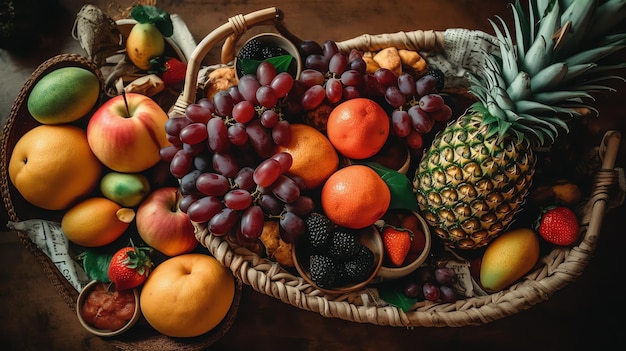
x,y
508,258
144,42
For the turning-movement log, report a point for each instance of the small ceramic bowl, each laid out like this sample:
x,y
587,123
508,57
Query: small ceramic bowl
x,y
370,237
386,272
280,41
82,297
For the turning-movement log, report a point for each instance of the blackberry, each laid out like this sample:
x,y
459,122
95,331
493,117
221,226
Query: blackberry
x,y
323,270
357,269
319,232
251,50
344,245
271,51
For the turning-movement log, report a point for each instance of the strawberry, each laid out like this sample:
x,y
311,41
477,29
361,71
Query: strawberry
x,y
397,244
129,267
171,70
558,225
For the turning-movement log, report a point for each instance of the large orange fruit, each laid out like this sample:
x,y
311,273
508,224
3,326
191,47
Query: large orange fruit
x,y
314,158
187,295
358,128
96,221
355,197
52,166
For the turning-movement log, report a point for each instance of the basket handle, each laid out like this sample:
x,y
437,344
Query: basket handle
x,y
229,33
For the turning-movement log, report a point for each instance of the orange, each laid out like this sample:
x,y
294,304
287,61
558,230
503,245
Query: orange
x,y
358,128
314,158
355,197
52,166
187,295
96,221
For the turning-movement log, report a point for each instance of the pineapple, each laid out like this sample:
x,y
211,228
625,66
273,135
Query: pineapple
x,y
475,176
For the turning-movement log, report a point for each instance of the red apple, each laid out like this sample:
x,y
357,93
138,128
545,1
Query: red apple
x,y
162,225
127,132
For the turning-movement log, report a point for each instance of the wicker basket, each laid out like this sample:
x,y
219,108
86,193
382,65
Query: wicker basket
x,y
557,269
141,336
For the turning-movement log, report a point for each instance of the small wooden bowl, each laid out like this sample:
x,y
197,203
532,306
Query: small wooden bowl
x,y
82,297
398,272
370,237
281,42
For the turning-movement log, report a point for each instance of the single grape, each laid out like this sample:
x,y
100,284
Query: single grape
x,y
243,111
420,119
310,77
225,164
204,208
358,65
354,54
394,96
265,73
281,133
266,96
406,84
260,138
329,48
235,94
309,47
238,199
431,291
415,139
350,93
267,172
166,153
352,78
223,221
198,113
217,135
284,159
206,103
245,178
248,85
385,77
173,126
174,140
447,294
413,289
445,275
400,123
269,118
285,189
203,162
371,86
282,84
223,103
424,274
313,97
334,90
271,205
426,84
181,164
194,149
212,184
237,134
187,200
337,63
302,206
431,102
291,227
443,115
252,220
187,184
316,62
194,133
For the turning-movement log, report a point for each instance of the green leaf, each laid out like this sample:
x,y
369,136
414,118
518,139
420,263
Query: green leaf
x,y
402,192
152,14
281,63
393,296
96,265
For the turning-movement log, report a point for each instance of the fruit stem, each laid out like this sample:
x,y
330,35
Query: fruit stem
x,y
126,104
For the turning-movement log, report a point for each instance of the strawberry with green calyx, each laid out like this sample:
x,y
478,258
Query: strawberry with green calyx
x,y
146,39
130,266
171,70
558,225
396,243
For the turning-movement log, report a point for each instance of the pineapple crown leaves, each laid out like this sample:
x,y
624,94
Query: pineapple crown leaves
x,y
536,84
152,14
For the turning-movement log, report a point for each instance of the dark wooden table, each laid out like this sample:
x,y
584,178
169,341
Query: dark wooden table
x,y
586,313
